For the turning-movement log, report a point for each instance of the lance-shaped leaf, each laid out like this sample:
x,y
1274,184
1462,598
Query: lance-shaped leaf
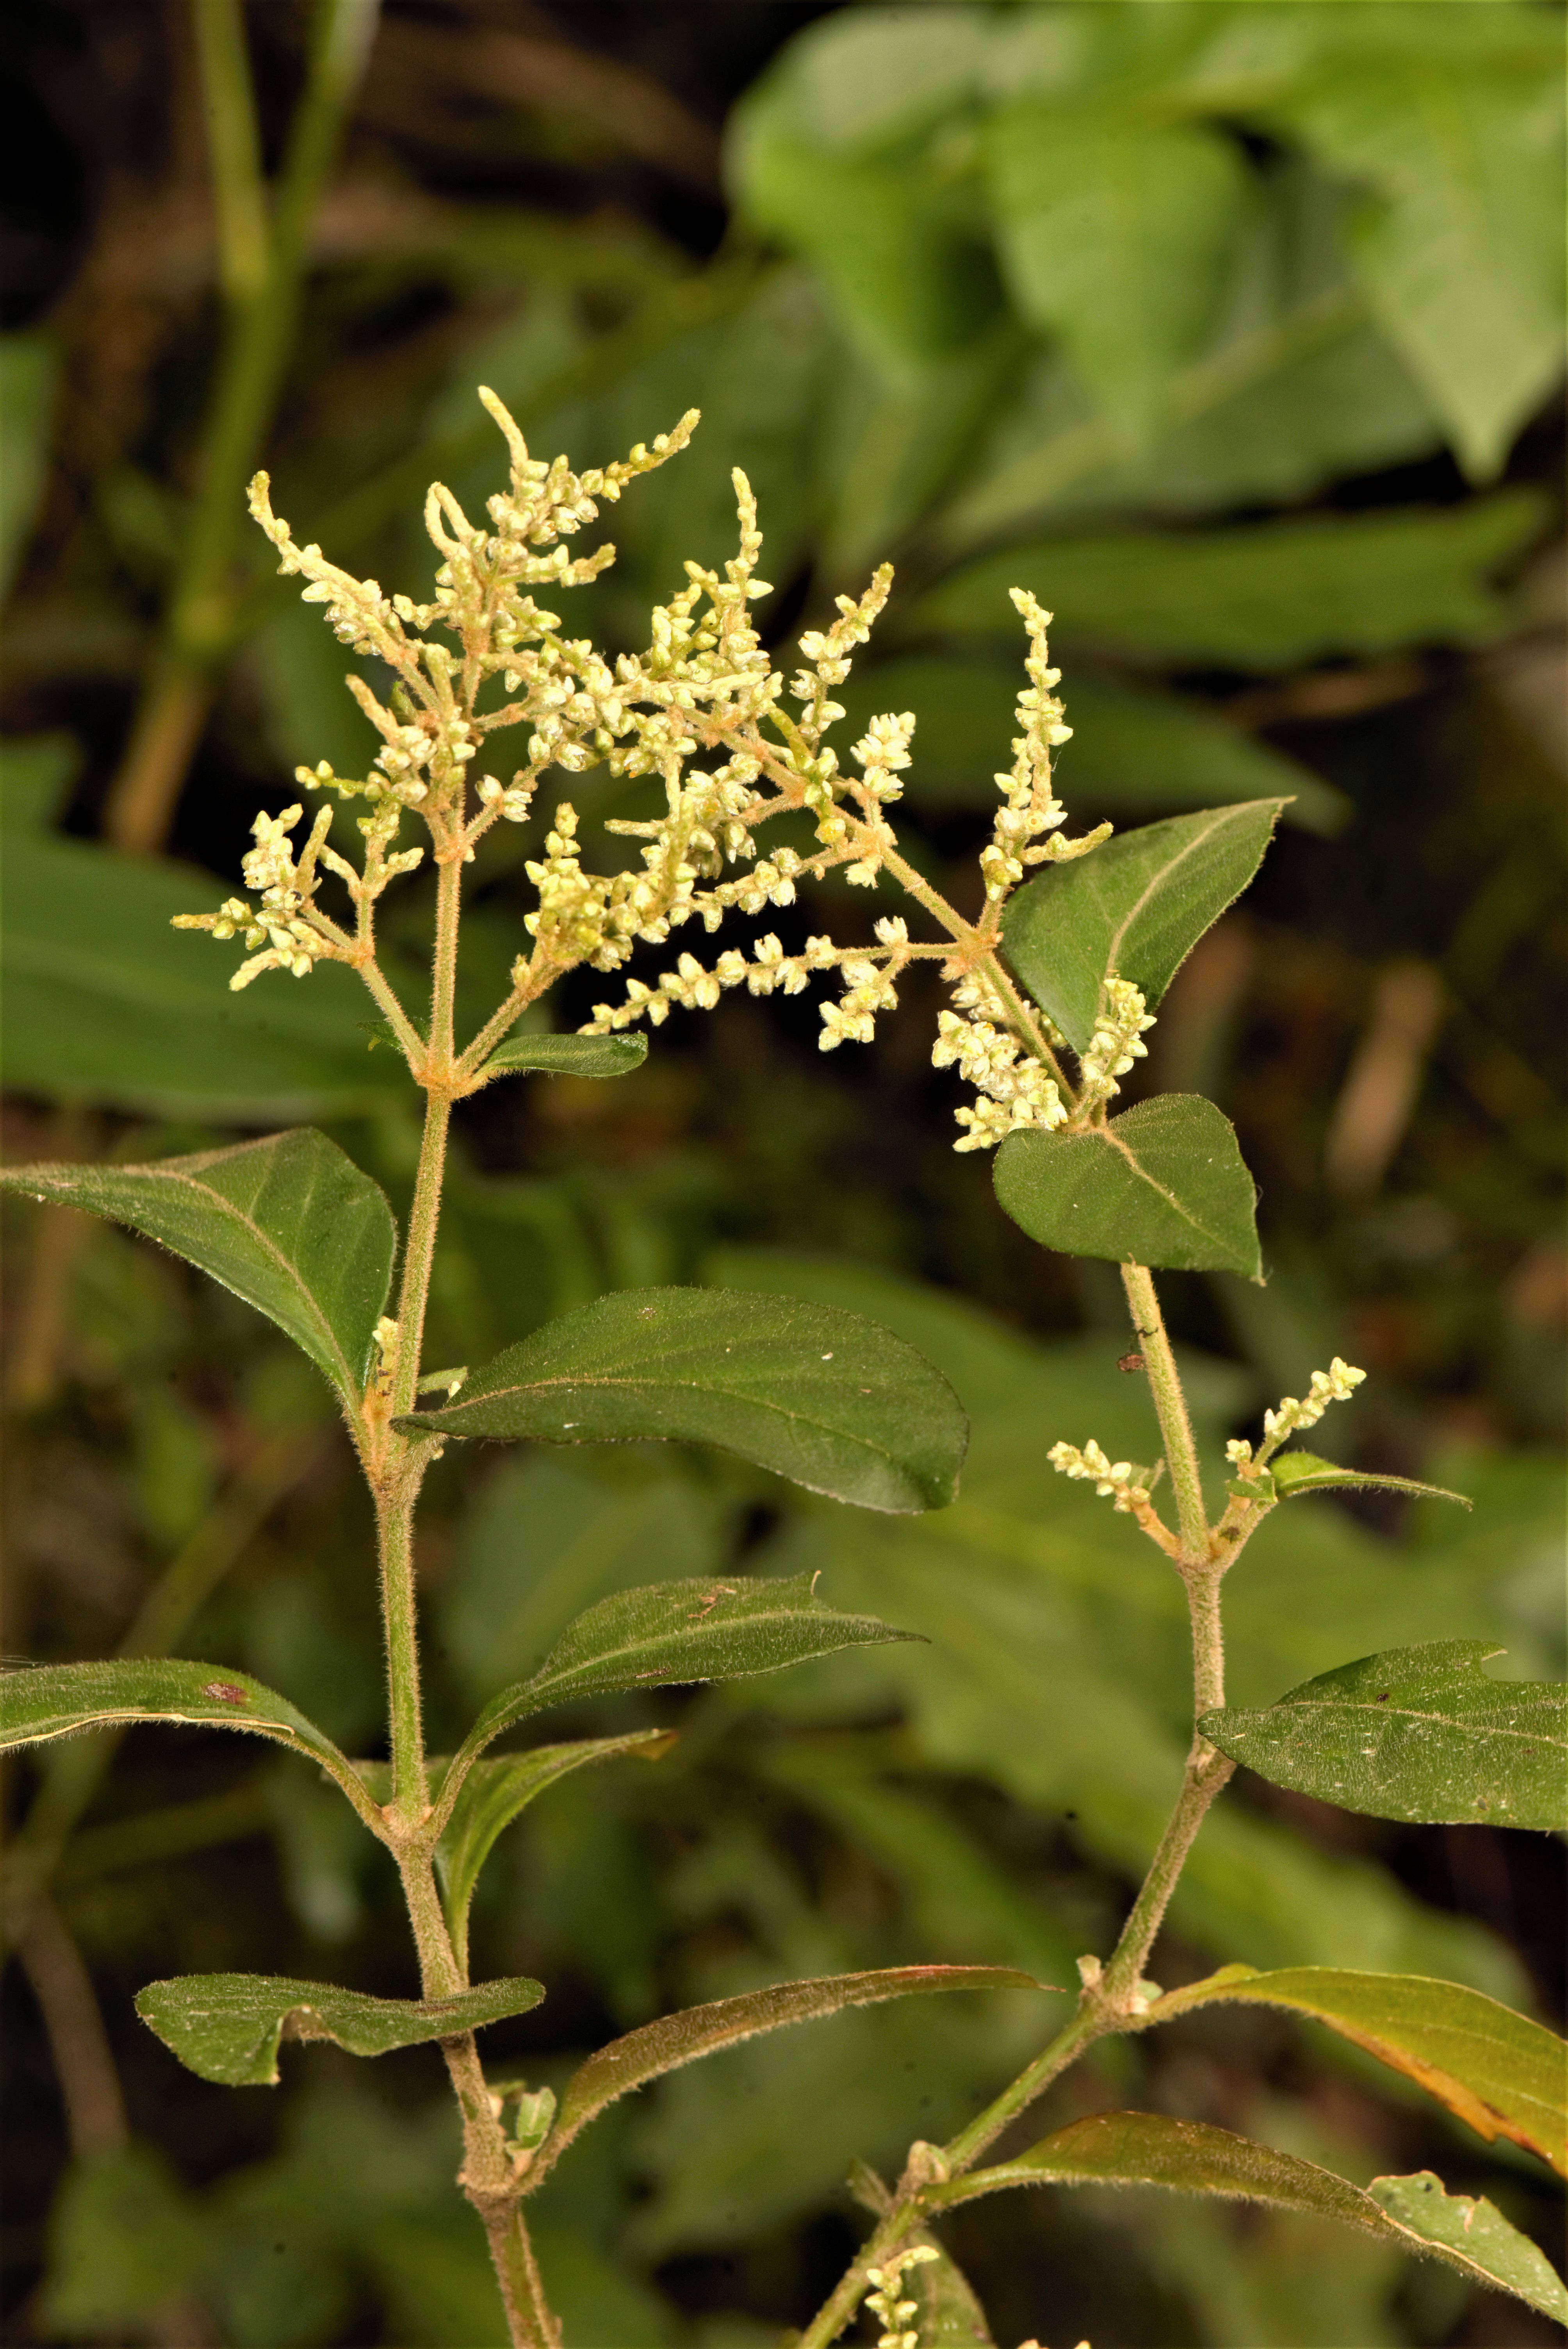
x,y
1416,1733
566,1056
1134,910
677,2039
289,1224
39,1702
494,1793
1164,1184
1304,1472
1499,2072
821,1396
668,1633
1150,2149
227,2027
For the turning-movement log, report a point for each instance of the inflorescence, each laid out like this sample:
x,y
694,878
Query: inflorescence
x,y
703,713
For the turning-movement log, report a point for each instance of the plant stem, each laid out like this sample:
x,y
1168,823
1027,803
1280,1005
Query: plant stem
x,y
399,1618
1170,1404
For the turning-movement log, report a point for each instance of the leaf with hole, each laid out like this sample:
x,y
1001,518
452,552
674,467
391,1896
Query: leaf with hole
x,y
227,2027
566,1056
40,1701
819,1396
495,1793
1499,2072
1134,910
1164,1184
668,1634
1190,2157
677,2039
289,1224
1304,1472
1418,1733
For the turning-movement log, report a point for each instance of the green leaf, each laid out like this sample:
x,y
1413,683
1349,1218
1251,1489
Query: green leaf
x,y
40,1701
1416,1733
1476,2236
567,1056
1134,910
1149,2150
227,2027
1272,596
1459,248
948,2313
668,1634
28,367
677,2039
1499,2073
104,1004
289,1225
1164,1184
495,1793
1114,233
125,2236
824,1398
1304,1472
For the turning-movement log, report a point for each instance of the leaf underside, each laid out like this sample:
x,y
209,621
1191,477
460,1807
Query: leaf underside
x,y
1495,2070
567,1056
1162,1184
1418,1733
808,1391
228,2027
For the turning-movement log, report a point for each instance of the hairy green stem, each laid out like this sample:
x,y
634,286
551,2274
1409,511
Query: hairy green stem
x,y
1170,1404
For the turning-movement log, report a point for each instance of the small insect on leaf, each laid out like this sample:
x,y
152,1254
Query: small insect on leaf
x,y
1130,1363
225,1688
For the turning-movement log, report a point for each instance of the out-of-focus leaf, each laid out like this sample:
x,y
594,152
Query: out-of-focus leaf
x,y
948,2315
677,2039
496,1792
1134,910
1304,1472
1164,1184
1460,249
106,1005
1132,749
1416,1733
1151,2149
1502,2073
289,1224
825,1399
856,82
124,2238
28,366
299,667
1114,233
36,771
227,2027
666,1635
567,1056
1269,596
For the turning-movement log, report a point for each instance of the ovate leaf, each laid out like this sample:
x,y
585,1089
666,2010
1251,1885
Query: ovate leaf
x,y
670,1633
40,1701
1499,2072
1304,1472
1472,2233
677,2039
567,1056
1149,2150
1134,910
495,1793
1416,1733
289,1225
1164,1184
1113,234
819,1396
227,2027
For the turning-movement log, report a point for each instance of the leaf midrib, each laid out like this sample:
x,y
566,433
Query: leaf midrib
x,y
1220,818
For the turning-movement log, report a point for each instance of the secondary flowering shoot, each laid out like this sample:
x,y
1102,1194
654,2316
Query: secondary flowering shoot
x,y
885,2302
1338,1383
702,718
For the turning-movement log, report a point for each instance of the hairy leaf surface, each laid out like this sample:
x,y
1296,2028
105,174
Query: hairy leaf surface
x,y
227,2027
817,1395
1499,2072
1304,1472
1416,1734
567,1056
1164,1184
1134,910
289,1224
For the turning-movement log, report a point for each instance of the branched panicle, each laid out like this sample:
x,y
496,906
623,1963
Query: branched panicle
x,y
704,713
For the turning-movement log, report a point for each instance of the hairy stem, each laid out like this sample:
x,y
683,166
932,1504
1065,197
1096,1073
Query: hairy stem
x,y
1170,1404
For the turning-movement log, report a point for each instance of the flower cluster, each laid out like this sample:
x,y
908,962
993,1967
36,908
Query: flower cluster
x,y
1029,805
1012,1085
1114,1480
1338,1383
1117,1042
884,2302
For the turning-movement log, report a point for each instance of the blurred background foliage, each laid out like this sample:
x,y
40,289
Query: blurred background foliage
x,y
1235,331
